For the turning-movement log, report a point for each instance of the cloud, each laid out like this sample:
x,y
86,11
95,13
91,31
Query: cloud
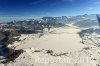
x,y
37,2
90,8
97,3
68,0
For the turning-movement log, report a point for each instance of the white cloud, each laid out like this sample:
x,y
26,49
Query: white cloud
x,y
90,8
69,0
97,3
37,2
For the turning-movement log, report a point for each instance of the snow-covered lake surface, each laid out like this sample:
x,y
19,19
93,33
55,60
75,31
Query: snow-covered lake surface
x,y
59,40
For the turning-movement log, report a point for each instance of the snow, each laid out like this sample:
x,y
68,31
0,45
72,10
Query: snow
x,y
64,43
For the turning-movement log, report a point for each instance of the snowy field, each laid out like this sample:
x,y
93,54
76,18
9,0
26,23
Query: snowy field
x,y
58,47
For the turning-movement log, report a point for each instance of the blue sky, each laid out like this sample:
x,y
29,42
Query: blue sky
x,y
40,8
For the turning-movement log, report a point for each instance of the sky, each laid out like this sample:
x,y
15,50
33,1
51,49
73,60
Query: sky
x,y
10,9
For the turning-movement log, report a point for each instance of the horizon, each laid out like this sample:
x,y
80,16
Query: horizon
x,y
21,18
42,8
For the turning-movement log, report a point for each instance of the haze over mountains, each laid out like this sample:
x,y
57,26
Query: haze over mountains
x,y
86,20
